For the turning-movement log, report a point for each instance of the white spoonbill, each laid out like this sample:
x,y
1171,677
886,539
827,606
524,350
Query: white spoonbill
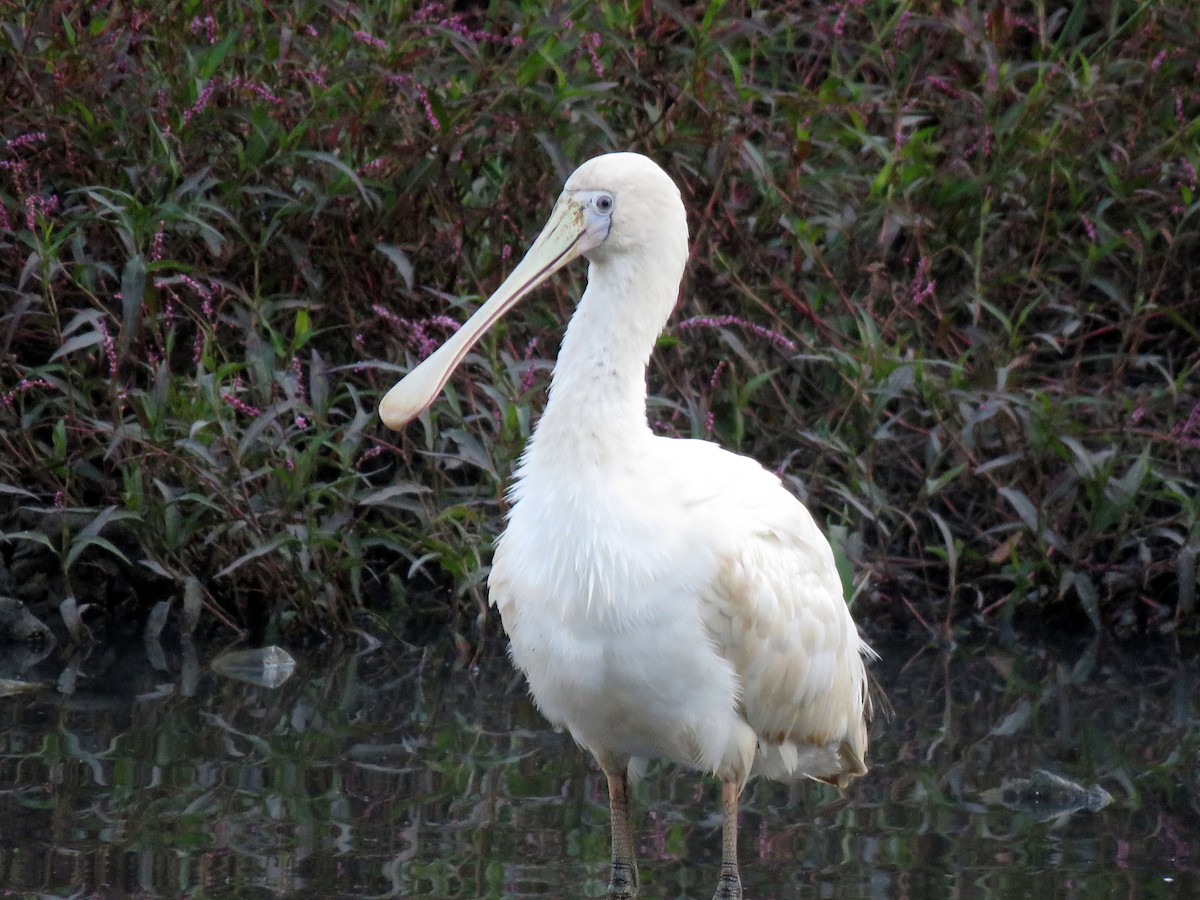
x,y
665,598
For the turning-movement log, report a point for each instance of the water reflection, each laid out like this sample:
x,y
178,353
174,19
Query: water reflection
x,y
407,772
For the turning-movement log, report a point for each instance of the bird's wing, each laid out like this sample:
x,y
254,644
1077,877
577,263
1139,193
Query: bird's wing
x,y
776,611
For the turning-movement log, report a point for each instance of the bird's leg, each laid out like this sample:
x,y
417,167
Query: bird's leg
x,y
623,882
729,887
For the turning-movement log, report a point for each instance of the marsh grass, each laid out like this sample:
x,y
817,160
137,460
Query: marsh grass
x,y
943,280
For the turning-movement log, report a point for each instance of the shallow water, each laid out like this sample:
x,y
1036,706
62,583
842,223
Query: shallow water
x,y
410,772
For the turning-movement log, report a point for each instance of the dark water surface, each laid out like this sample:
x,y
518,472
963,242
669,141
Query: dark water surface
x,y
408,772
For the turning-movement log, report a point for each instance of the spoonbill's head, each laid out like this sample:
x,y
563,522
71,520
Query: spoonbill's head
x,y
630,201
612,207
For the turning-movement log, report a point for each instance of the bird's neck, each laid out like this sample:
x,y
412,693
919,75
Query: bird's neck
x,y
597,406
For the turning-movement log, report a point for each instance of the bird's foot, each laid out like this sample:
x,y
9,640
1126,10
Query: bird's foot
x,y
623,882
730,885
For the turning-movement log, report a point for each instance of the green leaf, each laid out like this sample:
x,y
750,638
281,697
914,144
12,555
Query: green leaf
x,y
1024,508
79,342
1089,598
1131,482
36,536
369,197
261,550
400,260
80,543
192,603
133,295
935,484
106,515
210,60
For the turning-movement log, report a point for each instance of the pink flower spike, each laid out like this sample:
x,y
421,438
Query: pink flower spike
x,y
772,337
923,286
369,39
531,369
1088,227
239,404
156,250
24,140
110,349
25,384
201,101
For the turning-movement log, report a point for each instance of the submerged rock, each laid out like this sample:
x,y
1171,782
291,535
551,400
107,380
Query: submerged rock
x,y
265,667
1047,795
19,626
10,687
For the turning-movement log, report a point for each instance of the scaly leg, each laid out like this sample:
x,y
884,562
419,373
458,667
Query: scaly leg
x,y
729,887
623,882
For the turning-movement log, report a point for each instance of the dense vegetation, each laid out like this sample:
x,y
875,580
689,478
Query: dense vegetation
x,y
944,280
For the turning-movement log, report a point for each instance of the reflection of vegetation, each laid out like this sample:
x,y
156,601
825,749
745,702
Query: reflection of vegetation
x,y
943,252
395,774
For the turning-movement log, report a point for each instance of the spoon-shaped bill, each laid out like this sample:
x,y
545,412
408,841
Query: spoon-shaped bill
x,y
558,244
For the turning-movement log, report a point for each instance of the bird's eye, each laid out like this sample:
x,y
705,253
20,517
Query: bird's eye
x,y
604,203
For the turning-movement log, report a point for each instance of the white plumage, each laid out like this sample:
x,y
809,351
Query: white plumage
x,y
665,598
